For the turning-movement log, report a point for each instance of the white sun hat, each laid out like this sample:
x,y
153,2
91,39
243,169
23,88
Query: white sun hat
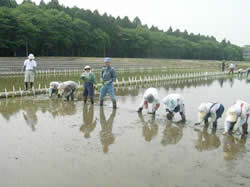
x,y
31,57
87,67
231,115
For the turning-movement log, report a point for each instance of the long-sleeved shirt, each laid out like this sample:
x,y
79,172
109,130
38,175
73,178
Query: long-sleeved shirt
x,y
209,108
241,109
108,74
88,77
171,101
154,93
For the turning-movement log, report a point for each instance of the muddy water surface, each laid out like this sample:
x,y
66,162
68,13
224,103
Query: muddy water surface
x,y
50,142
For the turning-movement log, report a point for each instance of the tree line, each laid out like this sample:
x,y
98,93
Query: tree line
x,y
55,30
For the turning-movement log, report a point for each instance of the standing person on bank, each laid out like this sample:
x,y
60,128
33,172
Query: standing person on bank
x,y
232,68
29,67
107,76
223,66
89,84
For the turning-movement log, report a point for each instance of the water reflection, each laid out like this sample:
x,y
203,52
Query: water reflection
x,y
30,118
233,147
30,107
150,128
106,136
231,81
221,81
172,133
207,141
89,123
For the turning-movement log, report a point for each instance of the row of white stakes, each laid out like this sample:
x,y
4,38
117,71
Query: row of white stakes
x,y
130,81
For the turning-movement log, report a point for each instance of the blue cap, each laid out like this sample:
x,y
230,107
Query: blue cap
x,y
107,59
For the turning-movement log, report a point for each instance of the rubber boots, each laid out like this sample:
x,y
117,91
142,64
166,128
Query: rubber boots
x,y
114,105
92,101
101,102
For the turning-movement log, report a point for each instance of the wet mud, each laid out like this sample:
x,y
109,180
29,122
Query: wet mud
x,y
51,142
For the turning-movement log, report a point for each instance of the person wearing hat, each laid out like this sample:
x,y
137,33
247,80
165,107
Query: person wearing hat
x,y
212,110
29,67
67,89
107,76
231,68
150,96
89,84
53,88
174,103
240,109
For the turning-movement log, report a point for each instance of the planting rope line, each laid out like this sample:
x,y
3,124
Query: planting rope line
x,y
130,82
79,70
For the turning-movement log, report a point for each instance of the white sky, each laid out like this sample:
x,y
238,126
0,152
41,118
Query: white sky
x,y
228,19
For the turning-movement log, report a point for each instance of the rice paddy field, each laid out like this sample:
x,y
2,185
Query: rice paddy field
x,y
51,142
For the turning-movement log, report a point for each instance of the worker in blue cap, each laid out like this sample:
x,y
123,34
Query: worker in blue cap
x,y
107,76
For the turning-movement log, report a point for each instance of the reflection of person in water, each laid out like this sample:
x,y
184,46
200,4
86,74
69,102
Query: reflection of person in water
x,y
206,141
221,82
89,123
172,133
106,136
30,117
231,81
233,147
150,128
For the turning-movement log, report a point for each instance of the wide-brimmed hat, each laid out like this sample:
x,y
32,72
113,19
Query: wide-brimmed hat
x,y
201,115
202,107
231,115
87,67
31,57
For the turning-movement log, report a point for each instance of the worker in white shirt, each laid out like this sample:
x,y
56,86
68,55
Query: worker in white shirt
x,y
174,103
150,97
29,68
240,109
231,68
210,110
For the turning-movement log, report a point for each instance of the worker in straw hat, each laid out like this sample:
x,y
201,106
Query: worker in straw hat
x,y
174,103
240,109
89,84
210,110
29,67
150,97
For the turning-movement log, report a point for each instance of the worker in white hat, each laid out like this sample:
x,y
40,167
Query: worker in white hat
x,y
67,89
240,109
89,84
174,103
150,97
53,88
29,67
209,110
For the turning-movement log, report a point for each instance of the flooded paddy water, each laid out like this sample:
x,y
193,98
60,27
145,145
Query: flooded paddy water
x,y
50,142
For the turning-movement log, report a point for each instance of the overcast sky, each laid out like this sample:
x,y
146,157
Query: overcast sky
x,y
228,19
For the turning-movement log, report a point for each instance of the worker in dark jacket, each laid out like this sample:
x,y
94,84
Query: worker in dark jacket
x,y
107,76
89,84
